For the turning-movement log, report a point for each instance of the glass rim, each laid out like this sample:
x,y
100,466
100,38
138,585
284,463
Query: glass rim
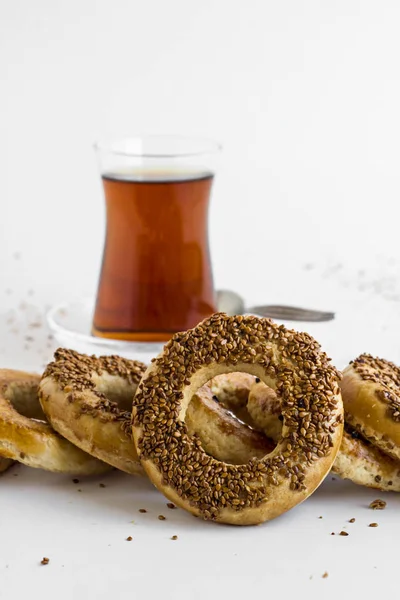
x,y
108,145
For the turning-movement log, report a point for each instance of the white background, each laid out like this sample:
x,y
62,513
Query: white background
x,y
305,97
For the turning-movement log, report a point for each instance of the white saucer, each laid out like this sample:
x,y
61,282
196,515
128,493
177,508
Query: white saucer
x,y
71,322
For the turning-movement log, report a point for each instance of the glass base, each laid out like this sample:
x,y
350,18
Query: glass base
x,y
71,325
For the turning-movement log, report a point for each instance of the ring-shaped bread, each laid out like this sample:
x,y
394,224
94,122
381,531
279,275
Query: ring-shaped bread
x,y
25,435
232,390
371,397
221,435
88,400
288,361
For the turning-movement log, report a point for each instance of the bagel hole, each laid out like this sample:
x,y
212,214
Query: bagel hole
x,y
227,430
25,400
117,390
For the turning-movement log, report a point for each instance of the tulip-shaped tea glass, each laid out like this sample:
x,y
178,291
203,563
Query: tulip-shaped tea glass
x,y
156,275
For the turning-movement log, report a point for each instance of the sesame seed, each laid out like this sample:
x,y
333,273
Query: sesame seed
x,y
343,533
373,525
378,504
129,538
161,518
45,561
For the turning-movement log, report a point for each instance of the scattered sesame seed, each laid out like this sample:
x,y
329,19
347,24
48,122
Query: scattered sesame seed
x,y
352,520
343,533
373,525
325,575
161,518
75,481
129,538
378,504
142,510
174,537
171,505
102,485
45,561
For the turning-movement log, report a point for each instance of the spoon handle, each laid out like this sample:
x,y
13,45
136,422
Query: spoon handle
x,y
290,313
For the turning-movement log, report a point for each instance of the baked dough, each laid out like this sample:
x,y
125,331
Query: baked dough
x,y
25,435
262,489
88,400
371,395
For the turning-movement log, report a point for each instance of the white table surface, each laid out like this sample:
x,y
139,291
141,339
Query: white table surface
x,y
82,528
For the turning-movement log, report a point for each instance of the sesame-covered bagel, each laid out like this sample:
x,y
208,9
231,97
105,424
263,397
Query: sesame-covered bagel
x,y
264,409
371,395
358,459
26,436
222,435
364,464
262,489
89,401
232,390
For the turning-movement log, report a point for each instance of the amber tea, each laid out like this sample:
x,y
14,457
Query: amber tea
x,y
156,277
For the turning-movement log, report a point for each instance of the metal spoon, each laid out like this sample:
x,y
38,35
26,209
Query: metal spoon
x,y
233,304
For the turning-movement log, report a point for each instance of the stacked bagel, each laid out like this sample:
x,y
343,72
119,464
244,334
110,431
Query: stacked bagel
x,y
237,420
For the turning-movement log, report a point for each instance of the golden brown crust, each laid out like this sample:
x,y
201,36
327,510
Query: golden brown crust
x,y
371,389
362,463
232,390
262,489
88,400
264,408
25,435
221,435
